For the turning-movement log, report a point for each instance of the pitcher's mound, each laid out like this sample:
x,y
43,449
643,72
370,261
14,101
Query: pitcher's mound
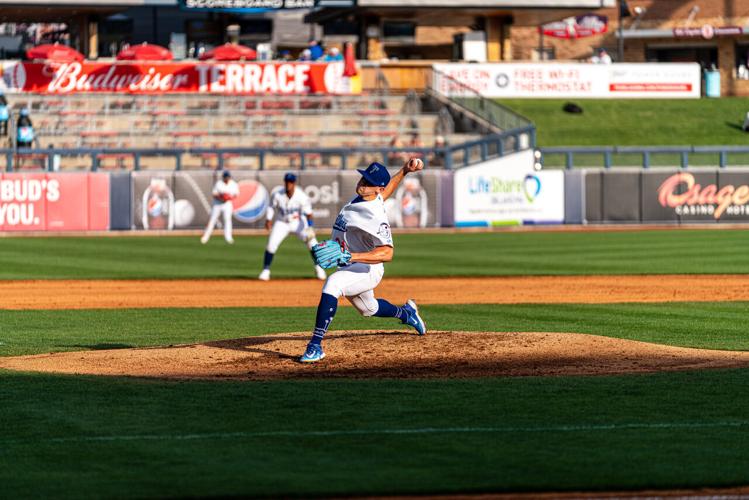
x,y
387,354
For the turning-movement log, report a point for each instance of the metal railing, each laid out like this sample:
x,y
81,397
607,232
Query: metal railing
x,y
454,156
645,156
462,95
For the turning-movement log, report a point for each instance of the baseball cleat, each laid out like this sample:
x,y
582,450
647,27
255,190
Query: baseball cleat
x,y
412,317
204,239
313,354
265,275
230,242
320,272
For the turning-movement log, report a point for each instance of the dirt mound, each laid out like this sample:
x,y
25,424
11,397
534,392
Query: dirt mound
x,y
387,354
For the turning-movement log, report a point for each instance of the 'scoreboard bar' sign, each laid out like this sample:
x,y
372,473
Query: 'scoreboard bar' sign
x,y
248,5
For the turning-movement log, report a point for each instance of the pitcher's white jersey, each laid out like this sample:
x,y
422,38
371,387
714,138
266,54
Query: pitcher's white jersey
x,y
231,188
362,226
285,209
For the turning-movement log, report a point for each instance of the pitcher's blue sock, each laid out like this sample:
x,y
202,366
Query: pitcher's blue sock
x,y
388,310
325,314
267,259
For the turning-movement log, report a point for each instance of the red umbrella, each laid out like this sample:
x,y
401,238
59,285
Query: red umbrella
x,y
54,52
349,61
229,52
145,52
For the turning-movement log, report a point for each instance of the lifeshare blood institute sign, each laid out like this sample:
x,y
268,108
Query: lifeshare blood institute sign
x,y
508,191
191,77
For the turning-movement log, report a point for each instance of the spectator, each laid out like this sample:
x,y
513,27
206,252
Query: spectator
x,y
438,156
396,157
285,55
333,55
4,115
316,50
415,142
24,130
601,57
306,55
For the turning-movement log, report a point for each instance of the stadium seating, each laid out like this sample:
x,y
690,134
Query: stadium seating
x,y
114,121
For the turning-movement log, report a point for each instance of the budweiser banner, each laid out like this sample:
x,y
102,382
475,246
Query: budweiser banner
x,y
54,202
177,77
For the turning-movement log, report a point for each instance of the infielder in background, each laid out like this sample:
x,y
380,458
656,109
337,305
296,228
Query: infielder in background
x,y
361,242
225,190
289,211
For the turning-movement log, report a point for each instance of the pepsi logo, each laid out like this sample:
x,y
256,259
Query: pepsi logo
x,y
252,201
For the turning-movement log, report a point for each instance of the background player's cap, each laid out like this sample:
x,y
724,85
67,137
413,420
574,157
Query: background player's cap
x,y
376,174
225,174
289,177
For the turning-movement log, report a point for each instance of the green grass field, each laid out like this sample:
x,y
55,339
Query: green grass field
x,y
86,437
638,122
442,254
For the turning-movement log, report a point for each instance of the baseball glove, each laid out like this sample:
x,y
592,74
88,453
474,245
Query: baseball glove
x,y
329,254
226,197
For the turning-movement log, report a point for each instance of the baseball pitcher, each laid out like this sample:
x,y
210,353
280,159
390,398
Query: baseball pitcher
x,y
289,211
224,191
361,242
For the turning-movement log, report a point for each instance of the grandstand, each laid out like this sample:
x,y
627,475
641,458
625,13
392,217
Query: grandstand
x,y
197,125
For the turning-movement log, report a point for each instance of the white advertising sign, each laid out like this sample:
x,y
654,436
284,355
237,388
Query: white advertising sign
x,y
564,80
508,191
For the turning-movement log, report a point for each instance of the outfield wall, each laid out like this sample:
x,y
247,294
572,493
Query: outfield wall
x,y
504,191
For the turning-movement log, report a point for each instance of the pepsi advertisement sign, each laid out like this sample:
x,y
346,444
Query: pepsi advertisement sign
x,y
252,202
507,191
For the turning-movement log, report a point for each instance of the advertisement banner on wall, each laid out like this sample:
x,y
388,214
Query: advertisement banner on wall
x,y
54,202
182,200
508,191
698,196
231,78
564,80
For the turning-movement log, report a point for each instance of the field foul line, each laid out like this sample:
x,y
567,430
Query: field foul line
x,y
378,432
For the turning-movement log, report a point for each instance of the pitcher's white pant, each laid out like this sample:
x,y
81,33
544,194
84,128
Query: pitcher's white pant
x,y
226,208
281,230
356,282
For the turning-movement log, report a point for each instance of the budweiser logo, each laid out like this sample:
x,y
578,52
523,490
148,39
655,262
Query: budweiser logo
x,y
681,192
70,77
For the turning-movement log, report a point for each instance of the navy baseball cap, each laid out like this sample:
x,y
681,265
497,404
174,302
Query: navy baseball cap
x,y
226,174
289,177
376,174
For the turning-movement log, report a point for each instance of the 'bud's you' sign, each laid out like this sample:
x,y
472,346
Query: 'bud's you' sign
x,y
62,202
20,200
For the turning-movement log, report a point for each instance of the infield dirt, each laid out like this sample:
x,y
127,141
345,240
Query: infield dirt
x,y
387,354
377,354
112,294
